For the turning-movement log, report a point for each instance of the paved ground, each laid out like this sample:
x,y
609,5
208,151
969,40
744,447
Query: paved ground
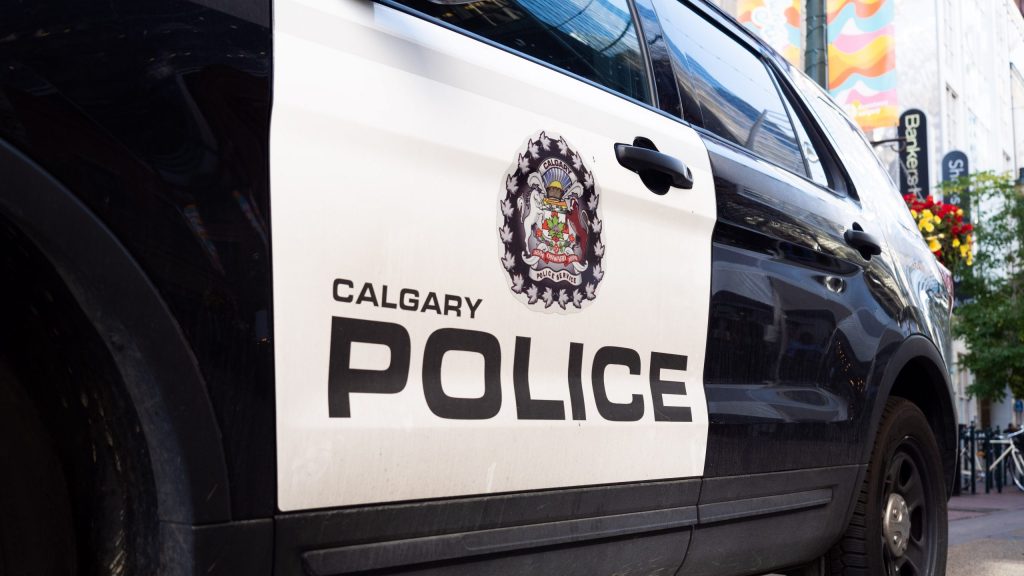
x,y
986,534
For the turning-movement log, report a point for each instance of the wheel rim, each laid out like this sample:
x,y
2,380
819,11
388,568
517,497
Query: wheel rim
x,y
908,520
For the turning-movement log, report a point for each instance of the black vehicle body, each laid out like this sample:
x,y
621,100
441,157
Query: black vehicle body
x,y
135,210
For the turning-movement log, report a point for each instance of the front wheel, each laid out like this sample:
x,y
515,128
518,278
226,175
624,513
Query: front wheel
x,y
899,526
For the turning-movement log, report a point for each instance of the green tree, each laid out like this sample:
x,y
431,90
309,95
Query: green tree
x,y
991,316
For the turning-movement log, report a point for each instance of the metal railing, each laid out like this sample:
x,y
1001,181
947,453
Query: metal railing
x,y
979,459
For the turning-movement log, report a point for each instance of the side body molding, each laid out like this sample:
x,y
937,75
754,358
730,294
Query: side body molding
x,y
155,362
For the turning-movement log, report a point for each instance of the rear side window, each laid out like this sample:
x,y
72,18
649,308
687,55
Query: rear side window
x,y
738,98
848,136
595,39
812,160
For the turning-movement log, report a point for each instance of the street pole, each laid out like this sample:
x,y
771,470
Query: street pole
x,y
816,53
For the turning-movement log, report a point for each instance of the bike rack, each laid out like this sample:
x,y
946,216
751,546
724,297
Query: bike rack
x,y
973,440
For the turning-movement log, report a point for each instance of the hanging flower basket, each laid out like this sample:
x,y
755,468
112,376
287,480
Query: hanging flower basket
x,y
943,228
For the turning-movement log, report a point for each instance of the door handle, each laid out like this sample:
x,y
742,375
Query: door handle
x,y
657,170
865,243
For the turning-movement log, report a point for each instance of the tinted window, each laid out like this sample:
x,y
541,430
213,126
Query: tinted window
x,y
812,160
855,149
738,98
595,39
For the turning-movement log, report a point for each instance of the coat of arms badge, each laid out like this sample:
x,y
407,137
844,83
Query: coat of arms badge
x,y
550,227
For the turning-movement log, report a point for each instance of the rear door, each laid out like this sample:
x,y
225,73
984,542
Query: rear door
x,y
801,307
798,309
472,295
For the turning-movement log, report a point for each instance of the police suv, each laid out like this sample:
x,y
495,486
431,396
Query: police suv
x,y
437,287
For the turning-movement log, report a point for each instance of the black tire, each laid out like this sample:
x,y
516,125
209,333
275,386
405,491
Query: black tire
x,y
906,462
37,535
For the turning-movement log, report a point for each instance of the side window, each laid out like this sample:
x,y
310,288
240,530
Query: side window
x,y
595,39
738,98
813,161
846,135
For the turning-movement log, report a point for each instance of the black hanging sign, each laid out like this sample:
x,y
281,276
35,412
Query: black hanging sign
x,y
955,166
913,131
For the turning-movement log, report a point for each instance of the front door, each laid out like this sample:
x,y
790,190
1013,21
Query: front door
x,y
472,294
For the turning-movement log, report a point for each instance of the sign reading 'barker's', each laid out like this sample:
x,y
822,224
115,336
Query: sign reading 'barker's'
x,y
913,131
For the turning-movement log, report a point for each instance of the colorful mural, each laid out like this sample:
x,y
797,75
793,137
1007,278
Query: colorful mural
x,y
777,22
862,60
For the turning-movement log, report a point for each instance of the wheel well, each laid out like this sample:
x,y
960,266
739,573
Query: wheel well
x,y
923,383
66,371
134,326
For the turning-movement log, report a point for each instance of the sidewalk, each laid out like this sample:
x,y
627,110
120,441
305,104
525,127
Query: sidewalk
x,y
973,505
986,534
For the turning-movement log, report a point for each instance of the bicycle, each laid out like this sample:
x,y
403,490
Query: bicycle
x,y
1016,458
1012,453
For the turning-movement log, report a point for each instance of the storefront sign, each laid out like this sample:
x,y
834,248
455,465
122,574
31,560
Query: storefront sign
x,y
913,130
954,167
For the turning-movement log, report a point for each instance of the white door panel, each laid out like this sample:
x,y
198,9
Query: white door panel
x,y
391,139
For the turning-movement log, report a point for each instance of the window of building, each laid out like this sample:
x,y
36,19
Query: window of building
x,y
952,127
951,42
972,135
739,100
595,39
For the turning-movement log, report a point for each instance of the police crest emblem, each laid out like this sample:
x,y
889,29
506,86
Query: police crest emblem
x,y
550,227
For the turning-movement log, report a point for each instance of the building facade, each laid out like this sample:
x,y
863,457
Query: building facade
x,y
960,62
